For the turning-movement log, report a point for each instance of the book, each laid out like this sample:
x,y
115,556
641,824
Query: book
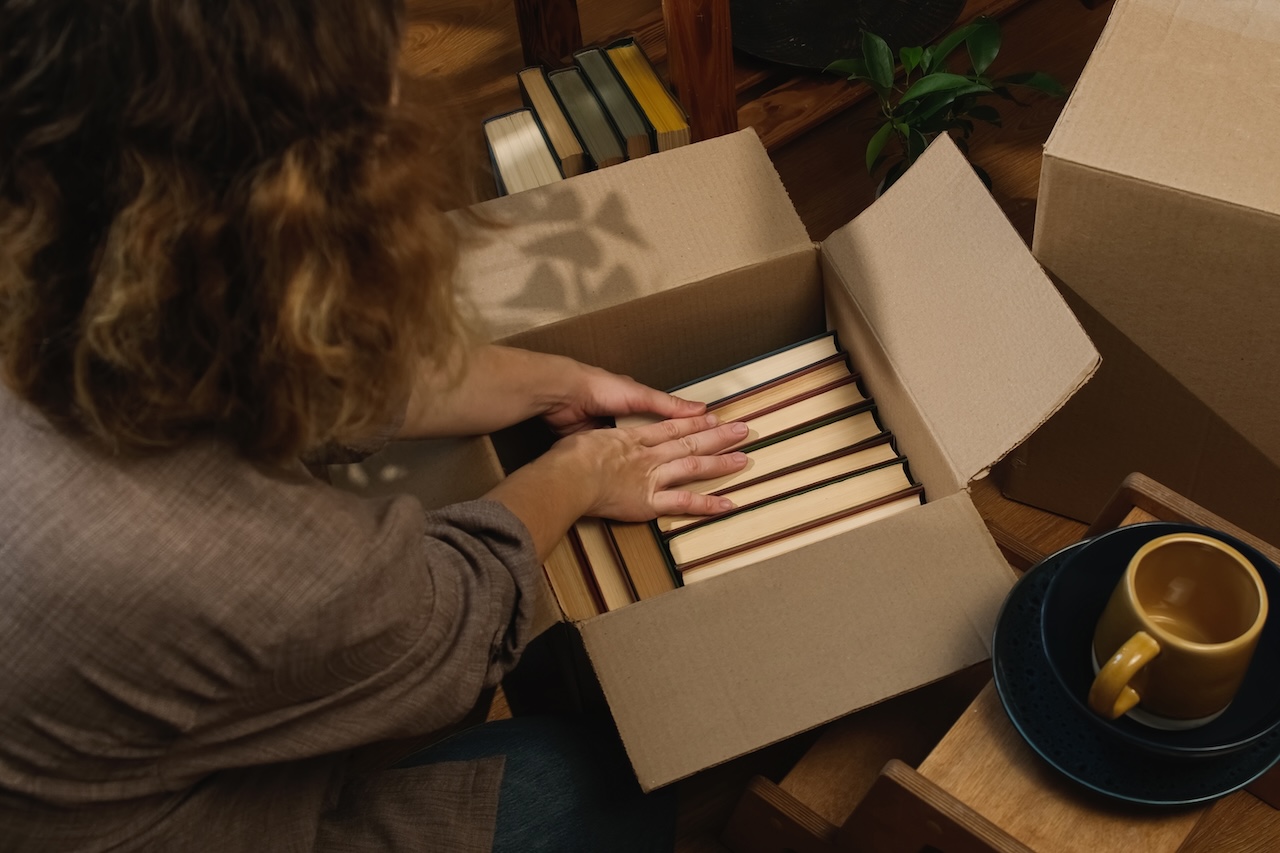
x,y
791,513
784,390
587,115
757,551
567,577
748,374
642,558
521,155
608,87
842,434
669,124
831,466
598,551
538,96
813,408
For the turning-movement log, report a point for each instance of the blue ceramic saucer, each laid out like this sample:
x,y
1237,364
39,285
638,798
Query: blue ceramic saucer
x,y
1056,728
1077,596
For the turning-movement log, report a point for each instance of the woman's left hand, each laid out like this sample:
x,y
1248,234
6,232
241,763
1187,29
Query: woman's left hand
x,y
598,394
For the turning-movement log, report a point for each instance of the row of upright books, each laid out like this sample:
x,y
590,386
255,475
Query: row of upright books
x,y
820,462
610,105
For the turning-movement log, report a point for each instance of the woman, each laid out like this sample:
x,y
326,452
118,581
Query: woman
x,y
221,250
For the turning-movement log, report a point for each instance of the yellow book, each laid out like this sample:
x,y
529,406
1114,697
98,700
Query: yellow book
x,y
670,125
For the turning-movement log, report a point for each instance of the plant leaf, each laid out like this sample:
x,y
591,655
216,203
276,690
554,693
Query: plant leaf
x,y
910,57
876,145
1037,80
983,44
929,106
926,56
848,67
916,144
930,83
879,59
985,112
946,46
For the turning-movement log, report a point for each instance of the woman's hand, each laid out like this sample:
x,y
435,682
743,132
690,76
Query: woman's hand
x,y
624,474
501,386
597,394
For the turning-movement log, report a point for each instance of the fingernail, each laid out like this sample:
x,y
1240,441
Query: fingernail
x,y
724,505
738,428
738,458
712,420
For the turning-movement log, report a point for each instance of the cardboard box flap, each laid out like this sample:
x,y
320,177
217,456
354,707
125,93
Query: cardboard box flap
x,y
967,319
737,662
1185,94
626,232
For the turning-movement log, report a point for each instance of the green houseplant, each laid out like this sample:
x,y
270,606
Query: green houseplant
x,y
932,97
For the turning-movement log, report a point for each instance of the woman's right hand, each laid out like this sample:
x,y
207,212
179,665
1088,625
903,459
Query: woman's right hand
x,y
636,473
630,474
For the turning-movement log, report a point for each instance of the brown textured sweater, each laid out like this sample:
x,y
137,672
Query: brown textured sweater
x,y
191,644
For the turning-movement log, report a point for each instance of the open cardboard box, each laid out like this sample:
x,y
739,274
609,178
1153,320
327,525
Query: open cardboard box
x,y
675,265
1159,212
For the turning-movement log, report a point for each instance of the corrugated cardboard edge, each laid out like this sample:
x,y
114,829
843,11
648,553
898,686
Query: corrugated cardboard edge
x,y
613,236
975,269
747,659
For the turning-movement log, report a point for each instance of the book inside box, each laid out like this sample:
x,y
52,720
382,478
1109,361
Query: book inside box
x,y
820,463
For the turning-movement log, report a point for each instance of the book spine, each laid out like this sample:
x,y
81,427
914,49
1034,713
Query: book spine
x,y
660,538
593,585
607,122
809,525
882,438
791,493
546,141
644,55
589,161
857,408
650,130
604,103
498,183
778,351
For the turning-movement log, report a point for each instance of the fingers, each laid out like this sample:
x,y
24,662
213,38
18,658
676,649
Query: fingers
x,y
700,436
686,469
679,502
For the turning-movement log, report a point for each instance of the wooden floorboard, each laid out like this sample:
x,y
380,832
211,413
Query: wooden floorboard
x,y
471,47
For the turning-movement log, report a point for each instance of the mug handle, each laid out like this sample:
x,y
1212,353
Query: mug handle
x,y
1110,695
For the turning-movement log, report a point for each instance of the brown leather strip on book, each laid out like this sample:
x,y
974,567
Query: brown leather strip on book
x,y
809,525
737,400
882,438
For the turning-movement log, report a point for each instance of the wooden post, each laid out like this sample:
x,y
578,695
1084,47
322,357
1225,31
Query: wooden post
x,y
700,64
549,30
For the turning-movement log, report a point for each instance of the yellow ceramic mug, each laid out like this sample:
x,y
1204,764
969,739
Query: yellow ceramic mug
x,y
1178,632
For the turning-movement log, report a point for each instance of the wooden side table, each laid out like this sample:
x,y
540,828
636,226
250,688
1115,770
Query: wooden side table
x,y
981,787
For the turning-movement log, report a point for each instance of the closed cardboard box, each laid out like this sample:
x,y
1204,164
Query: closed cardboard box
x,y
679,264
1159,213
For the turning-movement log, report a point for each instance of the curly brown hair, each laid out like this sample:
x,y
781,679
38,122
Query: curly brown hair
x,y
215,221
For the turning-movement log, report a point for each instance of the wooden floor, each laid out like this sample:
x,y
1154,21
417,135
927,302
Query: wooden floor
x,y
471,47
